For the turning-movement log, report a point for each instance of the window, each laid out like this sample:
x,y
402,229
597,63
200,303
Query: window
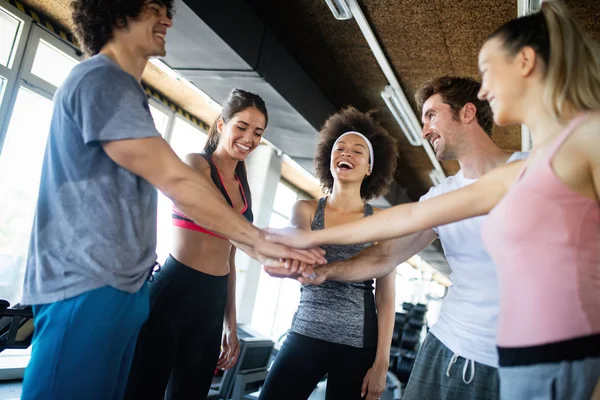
x,y
9,30
20,169
277,299
2,86
285,198
161,120
46,61
51,64
185,139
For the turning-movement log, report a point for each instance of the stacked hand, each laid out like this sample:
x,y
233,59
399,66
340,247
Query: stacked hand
x,y
273,254
296,238
305,273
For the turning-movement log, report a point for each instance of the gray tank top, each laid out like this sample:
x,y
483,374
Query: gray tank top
x,y
339,312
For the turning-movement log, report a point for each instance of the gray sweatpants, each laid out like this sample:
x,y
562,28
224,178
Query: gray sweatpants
x,y
566,380
432,380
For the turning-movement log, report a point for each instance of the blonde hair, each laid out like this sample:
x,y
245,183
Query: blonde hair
x,y
571,58
573,74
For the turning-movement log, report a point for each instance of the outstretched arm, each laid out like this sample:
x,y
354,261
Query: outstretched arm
x,y
194,194
153,159
402,220
371,263
302,214
377,261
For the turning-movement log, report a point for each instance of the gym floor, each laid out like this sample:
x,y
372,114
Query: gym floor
x,y
11,390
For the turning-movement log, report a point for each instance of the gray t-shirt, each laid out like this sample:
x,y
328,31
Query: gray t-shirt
x,y
95,222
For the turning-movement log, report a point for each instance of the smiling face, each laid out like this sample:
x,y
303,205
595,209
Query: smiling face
x,y
350,159
441,128
147,33
502,83
242,133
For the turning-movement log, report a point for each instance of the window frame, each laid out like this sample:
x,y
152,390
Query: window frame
x,y
276,297
19,73
177,116
27,77
16,38
12,72
170,114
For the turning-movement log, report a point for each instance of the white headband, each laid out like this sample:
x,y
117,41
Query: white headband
x,y
371,153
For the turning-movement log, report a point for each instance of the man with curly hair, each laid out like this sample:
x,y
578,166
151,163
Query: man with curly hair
x,y
94,235
459,127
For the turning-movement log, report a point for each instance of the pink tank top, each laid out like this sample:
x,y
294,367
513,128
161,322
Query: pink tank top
x,y
545,241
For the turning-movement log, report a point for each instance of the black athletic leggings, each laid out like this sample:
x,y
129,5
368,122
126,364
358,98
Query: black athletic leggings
x,y
303,361
180,343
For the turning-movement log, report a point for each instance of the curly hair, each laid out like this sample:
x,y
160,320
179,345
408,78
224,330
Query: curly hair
x,y
384,149
95,19
456,92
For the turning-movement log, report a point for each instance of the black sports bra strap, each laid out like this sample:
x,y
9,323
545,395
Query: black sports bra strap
x,y
214,175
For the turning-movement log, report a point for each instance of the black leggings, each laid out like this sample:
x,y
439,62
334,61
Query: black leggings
x,y
303,361
180,343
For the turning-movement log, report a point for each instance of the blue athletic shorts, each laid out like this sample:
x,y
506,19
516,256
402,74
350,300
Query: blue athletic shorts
x,y
83,346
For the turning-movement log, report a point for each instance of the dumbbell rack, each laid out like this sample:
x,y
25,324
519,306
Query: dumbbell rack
x,y
406,339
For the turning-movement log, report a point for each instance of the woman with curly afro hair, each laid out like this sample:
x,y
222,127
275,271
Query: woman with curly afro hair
x,y
341,329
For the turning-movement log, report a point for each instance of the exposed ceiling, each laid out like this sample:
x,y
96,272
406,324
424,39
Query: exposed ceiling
x,y
59,11
307,64
236,50
422,40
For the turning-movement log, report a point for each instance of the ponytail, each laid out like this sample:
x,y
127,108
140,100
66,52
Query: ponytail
x,y
570,58
573,73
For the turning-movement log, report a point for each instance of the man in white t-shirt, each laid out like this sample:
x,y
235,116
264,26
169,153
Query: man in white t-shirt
x,y
458,359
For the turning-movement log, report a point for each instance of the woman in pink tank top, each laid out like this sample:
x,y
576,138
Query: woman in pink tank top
x,y
543,231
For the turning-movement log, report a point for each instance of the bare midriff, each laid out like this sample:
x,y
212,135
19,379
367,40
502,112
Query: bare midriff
x,y
205,253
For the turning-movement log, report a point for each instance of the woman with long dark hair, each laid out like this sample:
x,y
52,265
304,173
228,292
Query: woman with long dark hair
x,y
192,296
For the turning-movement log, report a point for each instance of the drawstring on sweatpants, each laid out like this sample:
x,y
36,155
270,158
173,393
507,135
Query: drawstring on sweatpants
x,y
465,368
452,361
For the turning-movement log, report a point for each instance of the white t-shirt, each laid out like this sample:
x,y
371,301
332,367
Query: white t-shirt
x,y
469,312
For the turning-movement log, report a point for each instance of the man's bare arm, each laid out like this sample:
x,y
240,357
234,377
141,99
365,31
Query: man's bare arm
x,y
371,263
153,159
378,260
